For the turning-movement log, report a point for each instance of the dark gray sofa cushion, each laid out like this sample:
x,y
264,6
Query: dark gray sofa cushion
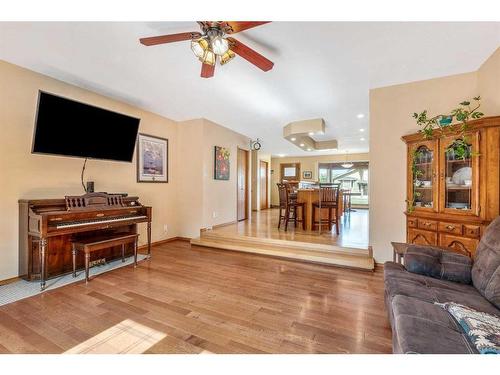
x,y
403,305
434,262
416,335
422,327
486,269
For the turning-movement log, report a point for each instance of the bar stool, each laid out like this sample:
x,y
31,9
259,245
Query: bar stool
x,y
329,199
290,205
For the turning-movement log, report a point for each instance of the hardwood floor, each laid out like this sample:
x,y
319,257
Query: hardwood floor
x,y
204,300
264,224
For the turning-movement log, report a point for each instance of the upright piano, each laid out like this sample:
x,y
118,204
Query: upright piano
x,y
48,226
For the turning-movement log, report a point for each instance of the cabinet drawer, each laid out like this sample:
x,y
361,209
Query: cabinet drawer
x,y
461,245
473,231
412,222
452,228
422,237
427,224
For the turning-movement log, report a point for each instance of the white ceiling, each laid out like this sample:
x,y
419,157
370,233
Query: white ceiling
x,y
322,69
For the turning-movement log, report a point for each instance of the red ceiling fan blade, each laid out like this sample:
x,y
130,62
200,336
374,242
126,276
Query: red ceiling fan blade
x,y
161,39
237,26
207,70
250,55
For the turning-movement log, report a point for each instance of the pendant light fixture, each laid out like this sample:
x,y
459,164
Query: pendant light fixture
x,y
347,164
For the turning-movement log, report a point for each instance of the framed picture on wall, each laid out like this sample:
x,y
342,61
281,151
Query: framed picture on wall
x,y
307,175
221,163
152,159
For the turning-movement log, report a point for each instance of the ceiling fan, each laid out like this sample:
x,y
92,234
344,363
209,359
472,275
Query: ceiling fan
x,y
212,44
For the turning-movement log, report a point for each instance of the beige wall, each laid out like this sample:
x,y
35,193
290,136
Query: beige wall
x,y
190,182
219,197
307,163
25,175
204,201
489,83
390,118
185,204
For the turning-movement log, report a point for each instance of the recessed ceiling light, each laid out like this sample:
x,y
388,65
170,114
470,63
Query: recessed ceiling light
x,y
309,149
293,139
281,155
301,145
360,115
361,139
361,130
311,133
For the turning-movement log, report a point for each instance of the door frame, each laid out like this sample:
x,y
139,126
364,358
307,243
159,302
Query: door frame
x,y
267,185
247,167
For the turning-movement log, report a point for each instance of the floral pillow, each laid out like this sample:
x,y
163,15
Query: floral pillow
x,y
482,329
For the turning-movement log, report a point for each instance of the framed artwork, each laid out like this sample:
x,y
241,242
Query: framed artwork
x,y
152,159
307,175
221,163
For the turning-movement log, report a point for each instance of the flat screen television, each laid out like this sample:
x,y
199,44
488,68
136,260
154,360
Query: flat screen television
x,y
70,128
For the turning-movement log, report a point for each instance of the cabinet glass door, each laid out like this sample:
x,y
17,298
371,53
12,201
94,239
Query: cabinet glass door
x,y
459,172
423,172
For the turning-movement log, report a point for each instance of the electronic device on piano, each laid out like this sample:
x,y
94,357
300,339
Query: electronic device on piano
x,y
48,226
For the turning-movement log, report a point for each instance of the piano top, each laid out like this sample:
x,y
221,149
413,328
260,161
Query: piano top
x,y
88,202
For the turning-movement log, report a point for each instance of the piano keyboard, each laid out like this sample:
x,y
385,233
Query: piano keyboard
x,y
71,224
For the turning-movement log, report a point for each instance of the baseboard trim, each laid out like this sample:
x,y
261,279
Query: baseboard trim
x,y
219,225
11,280
161,242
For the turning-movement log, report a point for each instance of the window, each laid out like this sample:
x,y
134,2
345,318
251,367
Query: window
x,y
290,171
354,179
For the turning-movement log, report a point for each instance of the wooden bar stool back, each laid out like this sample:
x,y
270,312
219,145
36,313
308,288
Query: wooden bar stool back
x,y
288,208
328,199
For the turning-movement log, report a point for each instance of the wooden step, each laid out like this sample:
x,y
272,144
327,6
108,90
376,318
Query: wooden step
x,y
288,244
310,252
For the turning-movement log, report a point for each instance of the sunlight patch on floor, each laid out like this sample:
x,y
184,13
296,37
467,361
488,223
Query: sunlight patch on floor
x,y
126,337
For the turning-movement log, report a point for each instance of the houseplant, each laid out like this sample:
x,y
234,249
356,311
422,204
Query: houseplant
x,y
465,112
459,149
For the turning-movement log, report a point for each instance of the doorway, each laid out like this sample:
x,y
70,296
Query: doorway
x,y
263,180
242,185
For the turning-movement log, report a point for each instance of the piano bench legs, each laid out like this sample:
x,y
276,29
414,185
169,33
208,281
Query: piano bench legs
x,y
89,246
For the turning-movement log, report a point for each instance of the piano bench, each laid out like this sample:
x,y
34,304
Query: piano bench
x,y
90,245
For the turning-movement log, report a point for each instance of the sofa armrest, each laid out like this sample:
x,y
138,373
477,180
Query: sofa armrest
x,y
438,263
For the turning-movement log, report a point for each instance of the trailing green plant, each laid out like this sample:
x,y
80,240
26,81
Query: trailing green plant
x,y
464,113
416,173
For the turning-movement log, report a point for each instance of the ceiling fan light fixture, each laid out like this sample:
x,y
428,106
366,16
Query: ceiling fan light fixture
x,y
228,56
220,45
208,58
199,46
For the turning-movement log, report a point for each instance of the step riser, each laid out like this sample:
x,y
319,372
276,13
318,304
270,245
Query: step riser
x,y
283,244
344,260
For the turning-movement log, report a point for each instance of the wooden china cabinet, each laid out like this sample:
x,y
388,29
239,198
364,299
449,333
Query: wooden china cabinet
x,y
453,194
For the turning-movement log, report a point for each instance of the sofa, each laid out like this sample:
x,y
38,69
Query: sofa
x,y
433,276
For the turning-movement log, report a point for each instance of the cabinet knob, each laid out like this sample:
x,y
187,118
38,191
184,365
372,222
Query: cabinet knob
x,y
450,227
